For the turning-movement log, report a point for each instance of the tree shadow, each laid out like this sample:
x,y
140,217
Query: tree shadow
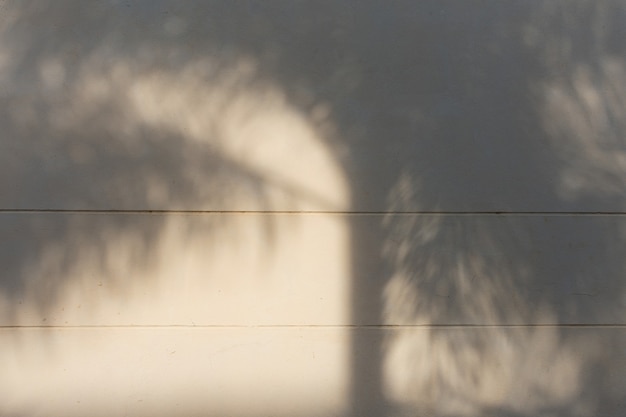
x,y
479,110
86,132
480,139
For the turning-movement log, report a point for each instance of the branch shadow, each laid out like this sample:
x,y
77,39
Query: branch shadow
x,y
81,137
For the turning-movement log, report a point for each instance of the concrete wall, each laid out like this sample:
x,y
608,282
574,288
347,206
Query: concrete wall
x,y
401,208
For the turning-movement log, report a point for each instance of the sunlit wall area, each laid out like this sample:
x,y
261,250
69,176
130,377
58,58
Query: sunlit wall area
x,y
184,320
164,371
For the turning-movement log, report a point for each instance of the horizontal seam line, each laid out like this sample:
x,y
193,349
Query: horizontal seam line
x,y
283,212
298,326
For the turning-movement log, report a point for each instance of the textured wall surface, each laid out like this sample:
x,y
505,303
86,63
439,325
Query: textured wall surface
x,y
313,208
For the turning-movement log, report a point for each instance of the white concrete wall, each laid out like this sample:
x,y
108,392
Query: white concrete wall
x,y
313,208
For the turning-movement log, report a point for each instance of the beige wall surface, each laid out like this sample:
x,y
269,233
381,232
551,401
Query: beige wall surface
x,y
268,208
